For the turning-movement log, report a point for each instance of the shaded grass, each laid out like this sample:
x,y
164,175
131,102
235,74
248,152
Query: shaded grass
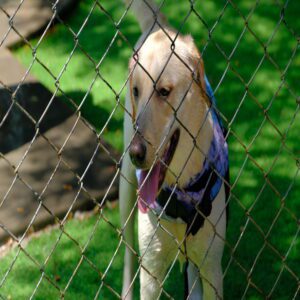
x,y
257,98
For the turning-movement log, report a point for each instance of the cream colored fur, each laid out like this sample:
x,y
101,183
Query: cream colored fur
x,y
159,242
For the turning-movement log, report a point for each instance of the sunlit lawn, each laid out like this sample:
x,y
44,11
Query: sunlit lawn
x,y
257,97
74,262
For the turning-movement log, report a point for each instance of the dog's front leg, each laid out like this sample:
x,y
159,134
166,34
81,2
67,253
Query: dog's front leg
x,y
206,248
158,250
209,285
194,283
212,281
127,199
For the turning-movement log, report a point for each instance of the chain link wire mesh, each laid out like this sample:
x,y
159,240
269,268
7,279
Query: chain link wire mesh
x,y
251,54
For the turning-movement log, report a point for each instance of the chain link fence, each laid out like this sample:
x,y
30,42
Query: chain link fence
x,y
61,146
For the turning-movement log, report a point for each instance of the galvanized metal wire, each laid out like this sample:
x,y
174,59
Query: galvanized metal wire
x,y
231,123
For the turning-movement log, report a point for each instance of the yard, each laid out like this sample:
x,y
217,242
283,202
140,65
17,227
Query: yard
x,y
258,67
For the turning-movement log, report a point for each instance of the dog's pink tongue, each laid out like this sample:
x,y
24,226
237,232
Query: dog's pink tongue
x,y
148,187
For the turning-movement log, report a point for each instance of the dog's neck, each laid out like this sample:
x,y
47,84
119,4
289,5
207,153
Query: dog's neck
x,y
188,159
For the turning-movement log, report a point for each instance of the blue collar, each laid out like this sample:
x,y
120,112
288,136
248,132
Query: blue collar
x,y
193,203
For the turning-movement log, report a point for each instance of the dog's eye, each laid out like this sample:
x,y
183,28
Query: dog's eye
x,y
164,92
135,92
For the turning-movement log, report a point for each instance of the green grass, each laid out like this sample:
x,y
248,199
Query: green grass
x,y
88,246
267,104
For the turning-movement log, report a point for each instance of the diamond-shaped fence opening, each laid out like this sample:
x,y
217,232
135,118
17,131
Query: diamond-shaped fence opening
x,y
63,81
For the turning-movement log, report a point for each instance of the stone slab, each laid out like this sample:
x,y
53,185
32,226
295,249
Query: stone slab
x,y
27,19
15,127
11,71
18,121
49,177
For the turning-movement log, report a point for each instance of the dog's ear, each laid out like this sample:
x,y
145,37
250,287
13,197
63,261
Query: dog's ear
x,y
195,62
133,61
199,70
131,65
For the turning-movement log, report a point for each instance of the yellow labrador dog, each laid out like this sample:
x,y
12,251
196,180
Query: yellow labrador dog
x,y
175,166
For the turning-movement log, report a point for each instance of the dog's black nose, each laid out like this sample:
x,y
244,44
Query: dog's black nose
x,y
137,151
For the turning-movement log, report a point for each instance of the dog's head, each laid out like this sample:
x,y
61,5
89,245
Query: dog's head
x,y
168,99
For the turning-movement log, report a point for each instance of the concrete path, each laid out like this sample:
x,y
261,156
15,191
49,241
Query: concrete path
x,y
47,182
11,72
14,24
46,185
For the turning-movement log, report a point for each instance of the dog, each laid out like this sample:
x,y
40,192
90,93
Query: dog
x,y
175,165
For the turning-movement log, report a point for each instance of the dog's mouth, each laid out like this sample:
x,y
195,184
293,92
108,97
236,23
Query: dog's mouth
x,y
150,181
